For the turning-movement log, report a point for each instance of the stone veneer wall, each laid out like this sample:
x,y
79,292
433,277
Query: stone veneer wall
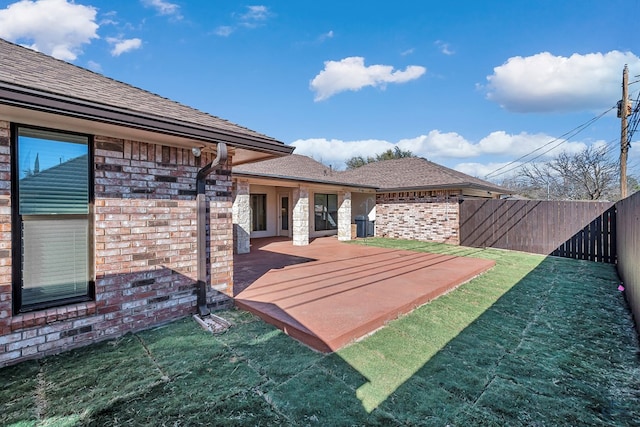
x,y
344,215
419,215
300,216
242,217
145,249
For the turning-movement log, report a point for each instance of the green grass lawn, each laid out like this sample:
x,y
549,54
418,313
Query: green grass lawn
x,y
534,341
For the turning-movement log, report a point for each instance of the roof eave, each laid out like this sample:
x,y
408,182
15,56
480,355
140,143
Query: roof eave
x,y
462,185
299,179
21,97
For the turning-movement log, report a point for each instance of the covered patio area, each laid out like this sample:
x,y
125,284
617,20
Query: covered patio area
x,y
329,293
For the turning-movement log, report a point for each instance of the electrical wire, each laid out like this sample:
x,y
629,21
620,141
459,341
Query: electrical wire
x,y
562,138
632,124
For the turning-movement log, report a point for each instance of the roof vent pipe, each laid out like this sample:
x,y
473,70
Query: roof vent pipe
x,y
201,216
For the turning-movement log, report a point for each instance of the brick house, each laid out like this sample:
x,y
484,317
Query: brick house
x,y
295,197
115,206
409,198
418,199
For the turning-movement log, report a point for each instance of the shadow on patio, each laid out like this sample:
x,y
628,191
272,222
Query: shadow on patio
x,y
328,294
247,268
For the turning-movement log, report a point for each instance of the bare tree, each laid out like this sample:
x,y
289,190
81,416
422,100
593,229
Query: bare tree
x,y
537,181
588,175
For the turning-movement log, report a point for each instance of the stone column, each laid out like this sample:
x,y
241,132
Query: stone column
x,y
344,215
301,216
241,217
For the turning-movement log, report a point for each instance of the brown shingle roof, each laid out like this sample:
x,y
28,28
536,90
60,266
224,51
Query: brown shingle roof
x,y
295,167
414,172
398,174
25,71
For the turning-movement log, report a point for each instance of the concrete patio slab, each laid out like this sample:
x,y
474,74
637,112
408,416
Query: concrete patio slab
x,y
328,294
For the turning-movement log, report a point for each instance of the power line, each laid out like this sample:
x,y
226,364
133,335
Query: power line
x,y
632,125
562,138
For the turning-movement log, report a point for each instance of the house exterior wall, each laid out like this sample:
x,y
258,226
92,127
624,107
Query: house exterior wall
x,y
300,216
145,258
242,217
301,210
344,215
423,216
5,236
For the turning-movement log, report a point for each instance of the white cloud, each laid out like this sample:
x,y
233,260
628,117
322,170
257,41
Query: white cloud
x,y
502,143
224,31
109,18
56,27
351,74
444,47
164,7
252,18
335,152
480,170
95,66
544,82
256,13
325,36
407,52
439,146
121,46
108,22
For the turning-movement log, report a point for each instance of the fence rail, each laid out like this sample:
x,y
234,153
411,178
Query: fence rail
x,y
580,230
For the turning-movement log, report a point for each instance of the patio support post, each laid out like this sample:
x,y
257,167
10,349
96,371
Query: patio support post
x,y
344,215
301,216
242,217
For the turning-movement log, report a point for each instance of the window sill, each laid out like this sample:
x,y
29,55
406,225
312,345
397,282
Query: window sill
x,y
51,315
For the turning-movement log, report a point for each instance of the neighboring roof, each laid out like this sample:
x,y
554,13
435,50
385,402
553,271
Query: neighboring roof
x,y
32,80
415,173
60,188
389,175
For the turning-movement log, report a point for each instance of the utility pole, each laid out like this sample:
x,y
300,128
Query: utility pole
x,y
624,145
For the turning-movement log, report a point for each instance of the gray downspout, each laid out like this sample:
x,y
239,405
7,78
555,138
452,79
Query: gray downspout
x,y
201,202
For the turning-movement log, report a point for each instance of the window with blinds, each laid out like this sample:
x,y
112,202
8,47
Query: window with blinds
x,y
53,197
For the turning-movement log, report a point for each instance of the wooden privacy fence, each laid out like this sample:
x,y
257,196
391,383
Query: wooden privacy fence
x,y
628,243
580,230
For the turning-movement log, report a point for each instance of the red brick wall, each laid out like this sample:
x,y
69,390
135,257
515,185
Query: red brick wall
x,y
5,232
418,215
145,249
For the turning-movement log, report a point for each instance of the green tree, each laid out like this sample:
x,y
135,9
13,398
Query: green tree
x,y
390,154
356,162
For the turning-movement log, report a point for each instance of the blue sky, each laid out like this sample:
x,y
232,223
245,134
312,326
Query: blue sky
x,y
472,85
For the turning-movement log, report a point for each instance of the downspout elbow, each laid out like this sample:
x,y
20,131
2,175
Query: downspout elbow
x,y
221,157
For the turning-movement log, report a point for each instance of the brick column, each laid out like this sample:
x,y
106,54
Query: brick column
x,y
344,215
241,217
301,216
